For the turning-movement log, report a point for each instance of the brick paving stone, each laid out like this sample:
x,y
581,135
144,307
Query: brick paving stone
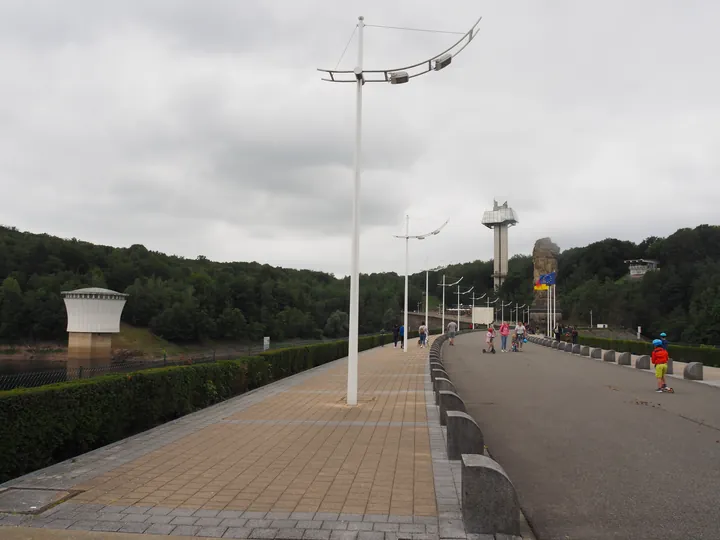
x,y
82,525
135,509
312,524
159,528
108,526
208,522
237,532
315,534
134,527
160,520
185,530
258,523
290,534
135,518
183,520
343,535
283,523
334,525
264,534
211,532
367,535
360,526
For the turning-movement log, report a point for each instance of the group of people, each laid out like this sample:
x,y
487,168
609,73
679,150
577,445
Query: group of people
x,y
517,337
398,332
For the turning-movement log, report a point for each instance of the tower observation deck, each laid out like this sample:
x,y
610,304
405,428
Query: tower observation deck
x,y
500,218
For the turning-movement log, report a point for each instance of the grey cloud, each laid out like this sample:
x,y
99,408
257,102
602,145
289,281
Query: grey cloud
x,y
198,129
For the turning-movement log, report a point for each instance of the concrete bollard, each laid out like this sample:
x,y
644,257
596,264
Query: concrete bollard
x,y
609,356
463,435
555,344
576,348
442,383
449,401
585,350
643,362
624,359
433,368
670,370
596,353
489,502
693,371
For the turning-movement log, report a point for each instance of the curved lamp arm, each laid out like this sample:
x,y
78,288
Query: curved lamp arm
x,y
423,236
404,74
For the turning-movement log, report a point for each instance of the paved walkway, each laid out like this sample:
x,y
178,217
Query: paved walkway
x,y
593,450
287,461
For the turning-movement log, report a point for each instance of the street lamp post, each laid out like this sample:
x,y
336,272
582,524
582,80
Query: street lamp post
x,y
359,77
503,305
472,315
407,238
444,285
427,291
458,304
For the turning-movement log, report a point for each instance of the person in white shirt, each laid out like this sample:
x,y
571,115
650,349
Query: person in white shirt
x,y
520,332
423,332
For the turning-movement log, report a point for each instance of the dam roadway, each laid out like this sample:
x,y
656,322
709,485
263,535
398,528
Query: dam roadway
x,y
593,451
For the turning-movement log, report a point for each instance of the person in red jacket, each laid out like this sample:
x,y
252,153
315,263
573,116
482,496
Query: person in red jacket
x,y
660,361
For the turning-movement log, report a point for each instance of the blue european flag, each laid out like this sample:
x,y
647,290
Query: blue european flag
x,y
548,279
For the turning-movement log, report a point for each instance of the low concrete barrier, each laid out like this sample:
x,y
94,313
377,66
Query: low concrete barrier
x,y
434,371
693,371
624,359
643,362
609,356
561,346
449,401
489,502
442,383
569,348
463,435
670,370
584,350
555,344
596,353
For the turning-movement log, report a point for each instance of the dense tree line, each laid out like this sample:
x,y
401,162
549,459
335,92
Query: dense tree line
x,y
187,300
682,298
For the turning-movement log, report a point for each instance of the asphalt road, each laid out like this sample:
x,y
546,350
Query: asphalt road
x,y
593,451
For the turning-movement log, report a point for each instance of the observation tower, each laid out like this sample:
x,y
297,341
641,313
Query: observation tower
x,y
500,218
93,317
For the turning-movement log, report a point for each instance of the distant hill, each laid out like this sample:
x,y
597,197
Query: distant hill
x,y
192,300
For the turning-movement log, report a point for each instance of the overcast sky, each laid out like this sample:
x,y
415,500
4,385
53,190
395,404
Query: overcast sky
x,y
203,128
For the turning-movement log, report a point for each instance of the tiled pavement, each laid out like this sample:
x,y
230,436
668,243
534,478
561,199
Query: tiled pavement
x,y
287,461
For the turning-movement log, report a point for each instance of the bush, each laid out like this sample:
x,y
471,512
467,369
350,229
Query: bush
x,y
682,353
47,424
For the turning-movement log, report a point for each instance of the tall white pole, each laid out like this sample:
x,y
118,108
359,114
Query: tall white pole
x,y
443,306
407,269
352,385
554,309
502,311
458,307
472,314
427,290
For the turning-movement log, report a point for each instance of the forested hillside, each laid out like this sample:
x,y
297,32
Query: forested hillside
x,y
185,300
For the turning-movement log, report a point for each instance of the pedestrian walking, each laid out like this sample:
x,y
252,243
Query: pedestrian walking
x,y
520,331
451,330
423,331
402,336
396,334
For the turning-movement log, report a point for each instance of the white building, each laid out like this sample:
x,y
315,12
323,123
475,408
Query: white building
x,y
640,267
93,317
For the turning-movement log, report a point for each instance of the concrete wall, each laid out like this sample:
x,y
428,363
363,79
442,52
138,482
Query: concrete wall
x,y
88,350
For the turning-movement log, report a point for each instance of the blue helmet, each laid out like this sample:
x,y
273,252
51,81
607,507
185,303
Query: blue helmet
x,y
657,343
663,334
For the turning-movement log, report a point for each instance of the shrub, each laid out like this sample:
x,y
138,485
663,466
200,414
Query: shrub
x,y
47,424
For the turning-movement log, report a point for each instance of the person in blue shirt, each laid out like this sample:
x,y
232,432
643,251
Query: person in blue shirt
x,y
663,340
402,335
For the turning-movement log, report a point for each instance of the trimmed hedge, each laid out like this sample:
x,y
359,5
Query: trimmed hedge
x,y
681,353
48,424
